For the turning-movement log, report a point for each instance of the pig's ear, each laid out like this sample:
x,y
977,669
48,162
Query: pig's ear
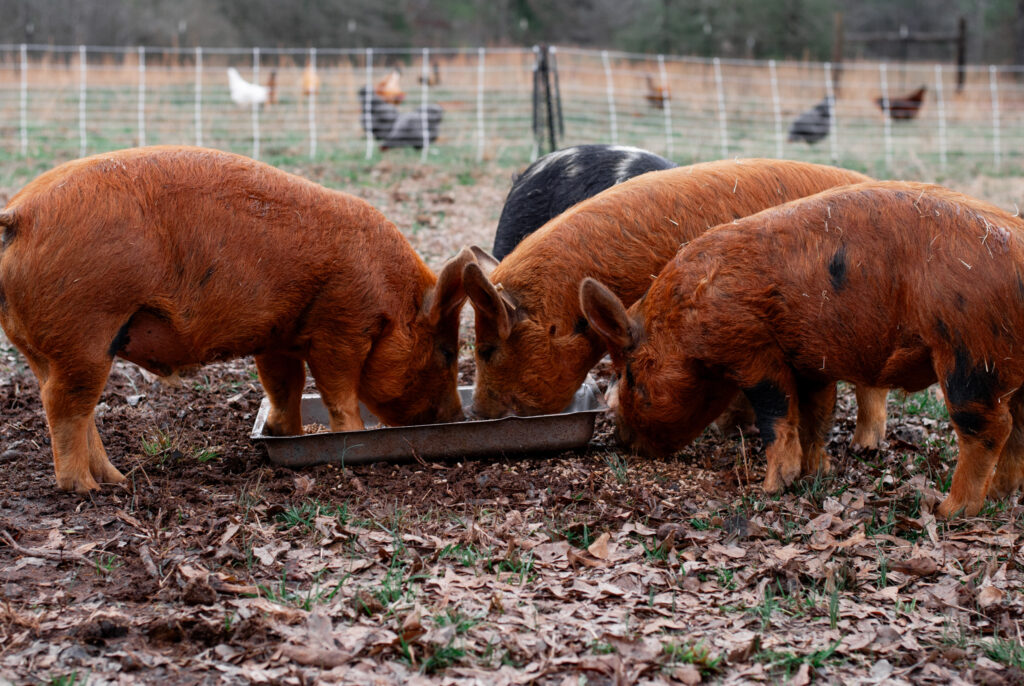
x,y
606,315
448,295
487,301
486,260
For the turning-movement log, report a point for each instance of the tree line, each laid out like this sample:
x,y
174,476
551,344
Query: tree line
x,y
783,29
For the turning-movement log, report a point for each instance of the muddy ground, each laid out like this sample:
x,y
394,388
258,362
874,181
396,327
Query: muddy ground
x,y
212,565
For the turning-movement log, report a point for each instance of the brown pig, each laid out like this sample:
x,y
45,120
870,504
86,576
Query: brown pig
x,y
533,346
173,257
887,284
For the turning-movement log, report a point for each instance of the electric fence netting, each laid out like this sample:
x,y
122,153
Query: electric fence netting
x,y
64,101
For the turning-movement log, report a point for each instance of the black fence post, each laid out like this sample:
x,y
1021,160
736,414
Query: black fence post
x,y
543,101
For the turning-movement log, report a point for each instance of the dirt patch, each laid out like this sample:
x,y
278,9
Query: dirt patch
x,y
212,565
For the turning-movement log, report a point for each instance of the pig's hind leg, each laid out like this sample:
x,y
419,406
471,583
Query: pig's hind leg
x,y
70,393
983,424
1009,474
871,415
817,404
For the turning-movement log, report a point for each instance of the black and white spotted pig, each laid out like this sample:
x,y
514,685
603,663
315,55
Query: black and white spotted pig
x,y
559,180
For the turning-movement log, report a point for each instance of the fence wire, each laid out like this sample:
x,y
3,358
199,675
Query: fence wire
x,y
65,101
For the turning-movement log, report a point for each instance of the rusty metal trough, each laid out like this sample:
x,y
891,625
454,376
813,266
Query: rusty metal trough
x,y
567,430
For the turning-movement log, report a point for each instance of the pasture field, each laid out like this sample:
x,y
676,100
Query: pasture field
x,y
214,566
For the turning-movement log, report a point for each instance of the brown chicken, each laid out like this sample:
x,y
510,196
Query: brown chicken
x,y
657,95
389,90
906,107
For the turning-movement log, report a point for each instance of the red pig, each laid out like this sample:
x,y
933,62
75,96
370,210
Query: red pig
x,y
533,346
173,257
887,284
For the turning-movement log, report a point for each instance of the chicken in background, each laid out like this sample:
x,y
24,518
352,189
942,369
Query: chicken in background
x,y
409,131
905,107
657,95
389,89
272,88
310,81
813,124
434,78
245,93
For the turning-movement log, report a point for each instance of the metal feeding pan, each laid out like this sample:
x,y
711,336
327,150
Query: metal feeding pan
x,y
567,430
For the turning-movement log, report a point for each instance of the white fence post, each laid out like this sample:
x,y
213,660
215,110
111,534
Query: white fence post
x,y
142,95
199,97
480,105
941,102
776,107
723,131
610,90
367,103
666,104
24,100
886,115
424,94
81,100
256,105
993,84
312,104
833,130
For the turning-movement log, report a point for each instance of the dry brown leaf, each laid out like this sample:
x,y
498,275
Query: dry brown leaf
x,y
733,551
599,548
989,596
584,558
788,553
687,674
918,566
315,657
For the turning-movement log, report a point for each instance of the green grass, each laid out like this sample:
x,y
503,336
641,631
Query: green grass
x,y
923,403
696,654
466,554
70,679
618,465
516,564
158,445
316,594
303,516
1005,651
788,662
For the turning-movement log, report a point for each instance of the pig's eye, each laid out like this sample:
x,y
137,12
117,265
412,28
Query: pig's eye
x,y
486,352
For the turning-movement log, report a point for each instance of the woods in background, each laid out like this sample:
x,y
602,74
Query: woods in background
x,y
795,29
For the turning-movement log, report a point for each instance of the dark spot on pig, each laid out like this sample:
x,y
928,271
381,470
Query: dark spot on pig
x,y
1020,288
940,327
961,301
121,339
552,330
837,269
3,298
970,423
206,277
770,404
968,383
581,326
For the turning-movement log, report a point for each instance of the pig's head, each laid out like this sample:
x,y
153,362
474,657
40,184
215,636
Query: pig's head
x,y
523,366
412,375
661,399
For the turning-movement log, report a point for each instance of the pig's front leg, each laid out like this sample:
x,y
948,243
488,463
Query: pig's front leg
x,y
778,419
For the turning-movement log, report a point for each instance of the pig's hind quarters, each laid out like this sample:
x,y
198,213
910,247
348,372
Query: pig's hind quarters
x,y
983,421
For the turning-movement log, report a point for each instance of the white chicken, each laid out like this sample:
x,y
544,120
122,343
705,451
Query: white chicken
x,y
245,93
